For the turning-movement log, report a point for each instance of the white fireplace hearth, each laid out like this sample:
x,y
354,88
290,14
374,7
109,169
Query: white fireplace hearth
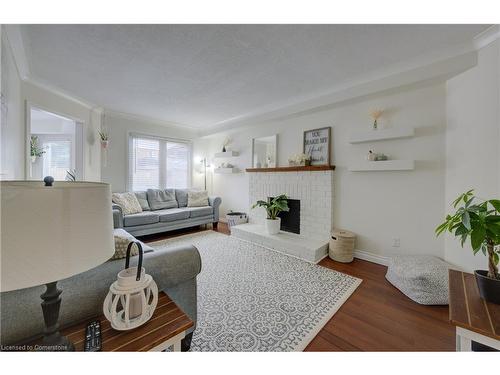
x,y
314,190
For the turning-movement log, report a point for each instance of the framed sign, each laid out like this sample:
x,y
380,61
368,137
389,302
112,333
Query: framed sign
x,y
317,145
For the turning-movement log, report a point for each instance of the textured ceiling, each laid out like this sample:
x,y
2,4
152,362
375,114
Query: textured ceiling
x,y
200,75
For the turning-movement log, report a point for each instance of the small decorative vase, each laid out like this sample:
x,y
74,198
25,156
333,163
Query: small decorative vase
x,y
371,156
273,226
223,148
375,126
104,144
33,159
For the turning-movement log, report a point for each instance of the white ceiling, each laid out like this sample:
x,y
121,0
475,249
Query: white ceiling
x,y
203,75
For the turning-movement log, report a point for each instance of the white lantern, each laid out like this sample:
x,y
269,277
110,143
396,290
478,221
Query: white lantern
x,y
133,297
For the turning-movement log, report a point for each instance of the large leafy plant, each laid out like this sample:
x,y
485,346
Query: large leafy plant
x,y
274,206
478,220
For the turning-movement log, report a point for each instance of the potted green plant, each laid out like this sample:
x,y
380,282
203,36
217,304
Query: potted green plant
x,y
273,207
35,150
479,220
104,136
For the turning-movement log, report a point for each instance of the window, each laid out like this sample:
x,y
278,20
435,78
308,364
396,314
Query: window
x,y
57,159
156,163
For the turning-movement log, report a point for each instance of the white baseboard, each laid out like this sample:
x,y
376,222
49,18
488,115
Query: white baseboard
x,y
370,257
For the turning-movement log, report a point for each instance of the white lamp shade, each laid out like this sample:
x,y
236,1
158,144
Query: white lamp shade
x,y
49,233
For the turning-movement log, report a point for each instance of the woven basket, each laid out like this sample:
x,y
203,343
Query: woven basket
x,y
342,246
236,218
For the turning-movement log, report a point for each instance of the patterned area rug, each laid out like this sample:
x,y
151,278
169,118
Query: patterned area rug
x,y
254,299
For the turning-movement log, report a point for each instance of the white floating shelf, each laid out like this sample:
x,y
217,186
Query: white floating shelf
x,y
226,170
382,134
386,165
227,154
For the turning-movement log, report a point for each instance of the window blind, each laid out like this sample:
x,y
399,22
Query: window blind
x,y
57,158
177,165
156,163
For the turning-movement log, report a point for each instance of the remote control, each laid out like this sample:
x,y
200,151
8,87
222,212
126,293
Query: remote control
x,y
93,337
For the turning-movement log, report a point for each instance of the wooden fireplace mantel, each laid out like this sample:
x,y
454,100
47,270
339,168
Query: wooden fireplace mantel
x,y
310,168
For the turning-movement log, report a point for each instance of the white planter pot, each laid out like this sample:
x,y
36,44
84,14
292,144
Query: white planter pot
x,y
33,159
273,226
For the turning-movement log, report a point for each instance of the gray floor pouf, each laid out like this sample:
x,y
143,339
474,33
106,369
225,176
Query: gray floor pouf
x,y
423,278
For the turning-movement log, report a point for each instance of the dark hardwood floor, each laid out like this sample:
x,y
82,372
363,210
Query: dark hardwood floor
x,y
377,317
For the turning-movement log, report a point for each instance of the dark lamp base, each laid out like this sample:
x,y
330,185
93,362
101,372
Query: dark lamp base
x,y
52,339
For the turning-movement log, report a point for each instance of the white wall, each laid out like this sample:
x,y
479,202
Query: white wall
x,y
473,142
12,127
118,127
377,206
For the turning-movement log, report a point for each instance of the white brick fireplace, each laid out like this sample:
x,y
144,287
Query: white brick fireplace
x,y
314,189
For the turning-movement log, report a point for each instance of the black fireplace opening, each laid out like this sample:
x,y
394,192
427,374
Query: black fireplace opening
x,y
290,221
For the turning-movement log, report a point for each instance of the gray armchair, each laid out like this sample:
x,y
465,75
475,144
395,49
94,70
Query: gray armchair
x,y
173,269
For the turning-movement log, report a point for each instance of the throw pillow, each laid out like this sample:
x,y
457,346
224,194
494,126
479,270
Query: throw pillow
x,y
121,244
160,199
128,202
143,200
182,197
197,198
122,239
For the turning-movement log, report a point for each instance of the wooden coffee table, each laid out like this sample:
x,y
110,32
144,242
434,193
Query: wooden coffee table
x,y
474,318
166,328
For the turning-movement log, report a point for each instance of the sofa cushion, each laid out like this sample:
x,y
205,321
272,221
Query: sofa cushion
x,y
173,214
142,218
128,202
160,199
197,198
200,211
121,244
142,197
122,239
182,197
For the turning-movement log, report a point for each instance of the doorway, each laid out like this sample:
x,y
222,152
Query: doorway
x,y
55,146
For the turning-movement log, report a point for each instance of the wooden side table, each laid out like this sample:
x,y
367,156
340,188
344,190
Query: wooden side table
x,y
474,318
166,328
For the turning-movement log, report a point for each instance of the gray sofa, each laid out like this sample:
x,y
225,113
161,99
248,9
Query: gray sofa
x,y
174,269
151,220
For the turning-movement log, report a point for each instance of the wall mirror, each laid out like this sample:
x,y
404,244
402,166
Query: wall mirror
x,y
54,145
264,152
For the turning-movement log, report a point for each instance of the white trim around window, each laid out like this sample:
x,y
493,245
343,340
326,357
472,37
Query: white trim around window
x,y
148,159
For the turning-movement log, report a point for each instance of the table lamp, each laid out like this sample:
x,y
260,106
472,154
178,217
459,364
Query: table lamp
x,y
51,231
